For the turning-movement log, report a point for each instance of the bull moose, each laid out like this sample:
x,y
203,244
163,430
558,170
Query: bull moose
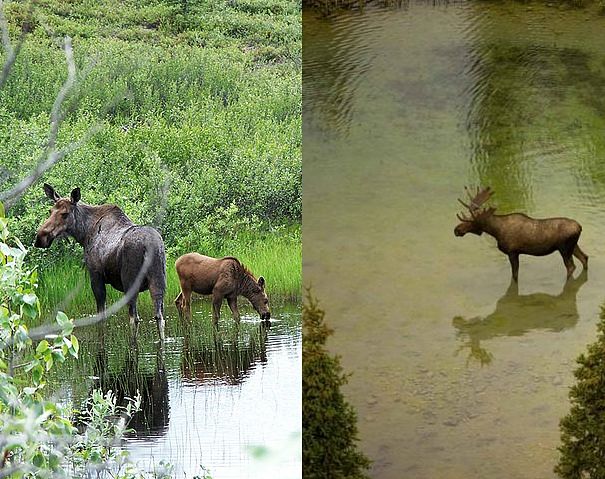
x,y
517,233
115,250
222,278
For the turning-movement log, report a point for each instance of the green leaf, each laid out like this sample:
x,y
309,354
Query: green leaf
x,y
5,249
38,460
42,346
37,373
62,319
2,211
30,298
75,346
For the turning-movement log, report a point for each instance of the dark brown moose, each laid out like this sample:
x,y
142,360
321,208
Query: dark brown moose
x,y
222,278
115,250
517,233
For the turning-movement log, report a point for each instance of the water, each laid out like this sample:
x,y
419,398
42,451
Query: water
x,y
225,398
455,374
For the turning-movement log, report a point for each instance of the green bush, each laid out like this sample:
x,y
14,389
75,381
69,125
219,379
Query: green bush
x,y
583,429
329,421
221,125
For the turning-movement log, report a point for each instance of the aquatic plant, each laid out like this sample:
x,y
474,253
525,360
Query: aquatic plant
x,y
330,433
583,429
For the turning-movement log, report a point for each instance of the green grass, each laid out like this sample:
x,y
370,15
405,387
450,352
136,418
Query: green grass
x,y
277,257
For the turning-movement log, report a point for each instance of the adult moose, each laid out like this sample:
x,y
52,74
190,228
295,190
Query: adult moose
x,y
517,233
222,278
115,250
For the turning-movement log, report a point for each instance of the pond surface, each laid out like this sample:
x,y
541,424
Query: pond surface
x,y
456,373
225,398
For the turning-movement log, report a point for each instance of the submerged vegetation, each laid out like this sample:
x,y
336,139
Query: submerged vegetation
x,y
197,107
329,421
328,7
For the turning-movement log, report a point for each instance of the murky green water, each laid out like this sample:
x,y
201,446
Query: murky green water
x,y
455,374
225,398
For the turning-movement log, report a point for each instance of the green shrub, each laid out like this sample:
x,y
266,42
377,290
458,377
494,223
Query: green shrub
x,y
329,422
583,429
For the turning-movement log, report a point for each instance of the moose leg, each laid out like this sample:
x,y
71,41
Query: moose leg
x,y
133,315
583,257
178,302
98,289
158,304
185,301
157,296
569,265
217,300
567,251
514,264
232,302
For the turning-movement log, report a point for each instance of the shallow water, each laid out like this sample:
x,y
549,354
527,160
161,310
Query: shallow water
x,y
455,374
225,398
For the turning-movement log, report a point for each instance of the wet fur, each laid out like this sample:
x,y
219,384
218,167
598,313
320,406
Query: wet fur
x,y
114,249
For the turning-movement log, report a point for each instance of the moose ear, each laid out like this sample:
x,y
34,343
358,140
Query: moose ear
x,y
261,282
51,193
75,195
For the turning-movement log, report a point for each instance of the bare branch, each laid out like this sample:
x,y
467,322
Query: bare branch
x,y
6,41
11,51
50,156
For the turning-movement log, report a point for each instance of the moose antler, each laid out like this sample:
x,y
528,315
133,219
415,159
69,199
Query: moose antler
x,y
461,217
481,196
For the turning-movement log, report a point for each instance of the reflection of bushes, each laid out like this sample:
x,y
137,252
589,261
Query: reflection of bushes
x,y
583,429
329,422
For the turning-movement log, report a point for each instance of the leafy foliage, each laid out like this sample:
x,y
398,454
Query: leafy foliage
x,y
329,422
583,429
195,131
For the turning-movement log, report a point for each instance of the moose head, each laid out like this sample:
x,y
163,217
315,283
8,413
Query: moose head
x,y
478,215
260,301
61,221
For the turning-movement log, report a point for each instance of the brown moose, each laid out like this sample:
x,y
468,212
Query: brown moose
x,y
517,233
115,250
222,278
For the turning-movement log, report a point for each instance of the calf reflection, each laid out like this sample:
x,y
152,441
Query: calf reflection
x,y
227,356
137,373
517,314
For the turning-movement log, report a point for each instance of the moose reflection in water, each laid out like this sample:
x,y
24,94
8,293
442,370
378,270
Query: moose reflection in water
x,y
518,234
116,251
516,314
135,376
228,358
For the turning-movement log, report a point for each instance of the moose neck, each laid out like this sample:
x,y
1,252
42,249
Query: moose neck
x,y
247,285
492,225
88,217
83,221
